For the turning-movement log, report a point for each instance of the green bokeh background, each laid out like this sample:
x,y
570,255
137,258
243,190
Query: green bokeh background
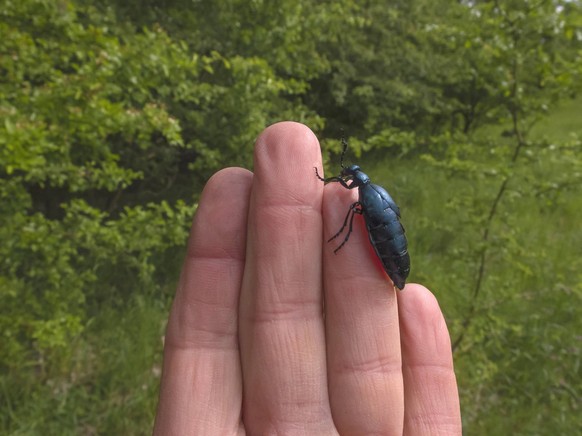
x,y
113,114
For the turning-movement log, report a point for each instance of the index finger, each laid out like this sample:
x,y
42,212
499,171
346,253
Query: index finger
x,y
201,388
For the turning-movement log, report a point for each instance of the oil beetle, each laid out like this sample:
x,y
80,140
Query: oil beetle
x,y
382,218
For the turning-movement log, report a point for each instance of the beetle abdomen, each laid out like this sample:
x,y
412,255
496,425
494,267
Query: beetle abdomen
x,y
392,250
386,233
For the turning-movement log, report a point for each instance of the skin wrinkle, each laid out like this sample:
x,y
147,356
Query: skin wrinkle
x,y
445,367
215,241
215,272
284,346
383,365
201,343
220,255
286,199
190,330
196,378
369,317
286,281
429,422
303,229
294,199
185,334
286,287
214,415
292,312
290,222
285,343
314,409
186,330
360,325
386,361
378,288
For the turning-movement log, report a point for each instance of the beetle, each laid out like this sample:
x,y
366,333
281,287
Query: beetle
x,y
382,217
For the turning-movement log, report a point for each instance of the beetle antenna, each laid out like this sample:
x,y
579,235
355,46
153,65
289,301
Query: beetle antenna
x,y
345,144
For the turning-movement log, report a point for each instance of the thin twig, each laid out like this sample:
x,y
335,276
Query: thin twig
x,y
492,212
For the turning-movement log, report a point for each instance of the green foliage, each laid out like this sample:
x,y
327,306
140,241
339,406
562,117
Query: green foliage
x,y
523,63
111,384
76,136
113,114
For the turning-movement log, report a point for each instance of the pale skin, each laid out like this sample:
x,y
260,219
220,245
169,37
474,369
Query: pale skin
x,y
251,348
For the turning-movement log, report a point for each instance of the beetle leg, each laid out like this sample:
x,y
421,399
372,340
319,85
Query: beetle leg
x,y
353,210
317,174
350,211
333,179
345,145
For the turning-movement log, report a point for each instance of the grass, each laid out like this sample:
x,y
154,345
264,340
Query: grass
x,y
565,120
110,386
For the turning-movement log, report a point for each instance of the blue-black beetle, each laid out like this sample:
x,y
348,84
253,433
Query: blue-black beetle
x,y
382,218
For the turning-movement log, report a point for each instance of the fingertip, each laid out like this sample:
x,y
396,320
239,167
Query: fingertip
x,y
227,180
281,129
419,300
431,394
281,141
422,324
219,227
285,155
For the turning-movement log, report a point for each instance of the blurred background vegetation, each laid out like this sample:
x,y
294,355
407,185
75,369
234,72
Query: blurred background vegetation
x,y
113,114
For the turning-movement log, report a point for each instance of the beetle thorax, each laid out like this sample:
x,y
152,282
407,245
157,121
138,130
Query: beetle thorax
x,y
353,172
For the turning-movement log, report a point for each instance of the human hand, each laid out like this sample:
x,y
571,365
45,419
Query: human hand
x,y
250,345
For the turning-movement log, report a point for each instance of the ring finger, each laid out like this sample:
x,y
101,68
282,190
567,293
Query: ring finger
x,y
362,331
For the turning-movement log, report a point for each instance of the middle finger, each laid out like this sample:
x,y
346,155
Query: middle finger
x,y
282,335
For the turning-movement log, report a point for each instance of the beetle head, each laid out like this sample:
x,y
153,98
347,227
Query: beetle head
x,y
350,172
353,172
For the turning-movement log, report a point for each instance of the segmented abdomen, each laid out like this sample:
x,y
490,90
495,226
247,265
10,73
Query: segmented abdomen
x,y
386,233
